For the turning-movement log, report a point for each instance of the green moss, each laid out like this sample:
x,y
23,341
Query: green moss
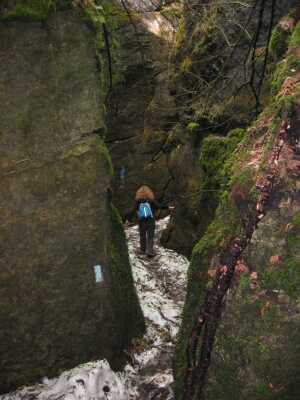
x,y
77,150
295,38
180,34
225,226
285,277
125,300
242,342
24,12
291,64
281,107
235,136
248,364
197,280
35,10
217,158
113,16
96,15
104,150
86,146
186,64
216,152
296,220
286,68
278,42
193,126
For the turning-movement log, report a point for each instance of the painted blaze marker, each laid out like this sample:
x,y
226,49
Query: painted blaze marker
x,y
98,273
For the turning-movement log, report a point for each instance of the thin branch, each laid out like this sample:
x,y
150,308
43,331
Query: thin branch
x,y
271,24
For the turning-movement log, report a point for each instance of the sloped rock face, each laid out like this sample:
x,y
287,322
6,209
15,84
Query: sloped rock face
x,y
240,333
57,221
257,344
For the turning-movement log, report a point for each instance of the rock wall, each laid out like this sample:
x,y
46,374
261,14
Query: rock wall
x,y
147,141
57,221
216,79
240,333
140,107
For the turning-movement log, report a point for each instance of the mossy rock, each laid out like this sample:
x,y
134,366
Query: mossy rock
x,y
215,155
85,146
223,227
257,364
33,10
278,42
247,363
215,152
288,67
295,37
57,222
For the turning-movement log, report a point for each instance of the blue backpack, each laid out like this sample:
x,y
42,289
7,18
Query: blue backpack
x,y
145,211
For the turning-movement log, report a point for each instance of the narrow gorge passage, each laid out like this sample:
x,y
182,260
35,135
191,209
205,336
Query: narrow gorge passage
x,y
160,283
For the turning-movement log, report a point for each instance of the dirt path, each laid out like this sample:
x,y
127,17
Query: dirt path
x,y
160,284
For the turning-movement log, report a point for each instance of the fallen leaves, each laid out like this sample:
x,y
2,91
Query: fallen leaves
x,y
288,227
212,273
241,267
265,308
223,269
274,260
254,280
289,85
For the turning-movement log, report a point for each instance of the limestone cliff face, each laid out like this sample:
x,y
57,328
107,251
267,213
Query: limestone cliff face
x,y
57,221
240,333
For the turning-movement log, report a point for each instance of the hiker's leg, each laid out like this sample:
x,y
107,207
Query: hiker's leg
x,y
150,237
151,228
143,230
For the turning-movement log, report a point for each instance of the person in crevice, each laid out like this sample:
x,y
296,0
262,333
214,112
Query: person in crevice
x,y
145,206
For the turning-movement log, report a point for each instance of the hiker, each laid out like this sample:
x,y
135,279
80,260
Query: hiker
x,y
145,206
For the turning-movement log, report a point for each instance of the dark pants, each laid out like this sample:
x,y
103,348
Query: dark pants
x,y
147,229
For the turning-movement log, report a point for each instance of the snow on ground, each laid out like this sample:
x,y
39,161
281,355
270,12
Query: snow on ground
x,y
160,284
